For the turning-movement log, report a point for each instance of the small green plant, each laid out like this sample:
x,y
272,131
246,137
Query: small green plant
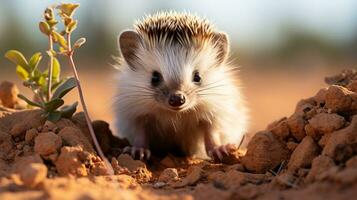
x,y
47,85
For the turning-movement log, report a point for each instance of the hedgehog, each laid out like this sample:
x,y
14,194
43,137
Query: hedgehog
x,y
177,91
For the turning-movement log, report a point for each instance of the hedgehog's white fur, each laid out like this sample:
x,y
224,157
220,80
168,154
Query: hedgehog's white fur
x,y
217,102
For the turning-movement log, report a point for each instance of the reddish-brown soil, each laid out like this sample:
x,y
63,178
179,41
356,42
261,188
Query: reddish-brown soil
x,y
311,154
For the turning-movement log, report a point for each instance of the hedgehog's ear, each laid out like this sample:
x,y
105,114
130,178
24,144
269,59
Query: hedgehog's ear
x,y
220,41
129,41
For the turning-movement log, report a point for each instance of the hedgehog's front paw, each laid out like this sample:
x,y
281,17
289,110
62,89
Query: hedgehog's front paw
x,y
137,152
219,152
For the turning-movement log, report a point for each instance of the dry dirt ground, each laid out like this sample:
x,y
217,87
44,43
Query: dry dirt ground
x,y
311,154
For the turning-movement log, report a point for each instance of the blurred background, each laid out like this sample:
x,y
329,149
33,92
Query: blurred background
x,y
284,48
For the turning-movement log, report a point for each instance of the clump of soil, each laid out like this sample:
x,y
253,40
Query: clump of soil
x,y
310,154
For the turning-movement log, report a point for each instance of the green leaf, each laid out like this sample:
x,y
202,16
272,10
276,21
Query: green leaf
x,y
68,110
53,104
52,22
67,9
17,58
35,75
42,80
35,60
56,70
71,26
54,116
22,73
29,101
64,88
45,28
56,84
59,39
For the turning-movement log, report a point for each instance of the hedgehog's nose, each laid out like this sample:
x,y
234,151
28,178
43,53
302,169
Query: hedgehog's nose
x,y
177,100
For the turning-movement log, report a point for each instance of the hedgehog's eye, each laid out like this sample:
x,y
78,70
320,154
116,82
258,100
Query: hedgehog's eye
x,y
196,77
156,78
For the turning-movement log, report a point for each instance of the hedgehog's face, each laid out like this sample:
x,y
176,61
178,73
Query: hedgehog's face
x,y
176,77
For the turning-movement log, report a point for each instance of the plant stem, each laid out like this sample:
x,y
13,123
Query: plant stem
x,y
84,106
39,95
49,80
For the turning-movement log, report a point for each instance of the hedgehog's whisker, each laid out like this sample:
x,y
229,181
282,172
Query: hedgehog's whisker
x,y
197,89
212,94
210,88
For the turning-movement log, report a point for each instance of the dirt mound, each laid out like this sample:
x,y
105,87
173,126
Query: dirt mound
x,y
310,154
8,95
